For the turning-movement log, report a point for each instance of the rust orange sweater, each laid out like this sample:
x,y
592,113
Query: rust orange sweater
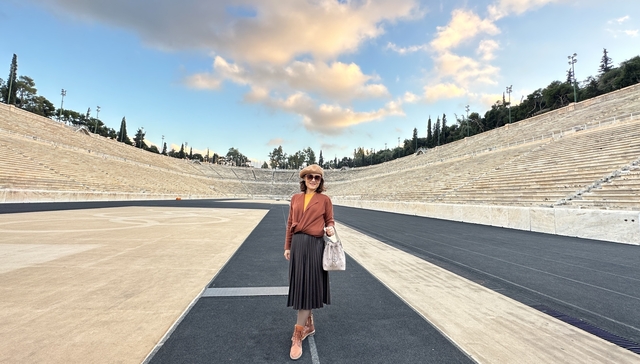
x,y
312,221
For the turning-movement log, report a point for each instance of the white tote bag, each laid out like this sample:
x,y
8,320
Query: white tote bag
x,y
333,257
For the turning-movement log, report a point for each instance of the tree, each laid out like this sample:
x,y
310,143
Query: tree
x,y
436,131
122,133
429,134
630,72
181,152
265,165
570,76
590,88
164,148
605,62
234,155
153,149
26,88
444,129
414,141
41,106
558,94
310,156
320,159
277,158
139,139
296,160
11,89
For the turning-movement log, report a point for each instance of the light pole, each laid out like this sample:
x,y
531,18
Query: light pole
x,y
466,108
509,92
572,62
95,130
63,93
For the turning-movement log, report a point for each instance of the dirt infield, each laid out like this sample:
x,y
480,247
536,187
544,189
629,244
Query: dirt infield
x,y
104,285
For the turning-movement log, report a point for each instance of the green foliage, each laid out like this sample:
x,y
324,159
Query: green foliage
x,y
10,90
122,136
235,157
265,165
321,160
277,158
429,143
605,62
197,157
138,139
309,156
41,106
630,72
296,160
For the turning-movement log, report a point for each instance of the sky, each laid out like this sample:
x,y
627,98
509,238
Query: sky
x,y
332,75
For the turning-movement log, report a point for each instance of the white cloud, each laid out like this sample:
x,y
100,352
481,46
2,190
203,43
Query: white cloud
x,y
620,20
443,91
453,75
487,49
503,8
330,119
464,25
406,50
335,81
249,31
632,33
465,71
275,142
410,97
287,47
203,81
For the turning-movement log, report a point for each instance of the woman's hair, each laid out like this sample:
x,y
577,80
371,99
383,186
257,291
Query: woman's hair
x,y
320,189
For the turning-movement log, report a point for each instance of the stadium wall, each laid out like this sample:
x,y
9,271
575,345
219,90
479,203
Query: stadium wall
x,y
37,196
617,226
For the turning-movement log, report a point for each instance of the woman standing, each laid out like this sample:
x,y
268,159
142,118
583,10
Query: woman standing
x,y
310,216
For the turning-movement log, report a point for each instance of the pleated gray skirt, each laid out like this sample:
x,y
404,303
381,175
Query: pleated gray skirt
x,y
308,282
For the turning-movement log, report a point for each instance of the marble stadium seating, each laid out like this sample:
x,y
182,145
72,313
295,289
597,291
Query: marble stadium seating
x,y
583,156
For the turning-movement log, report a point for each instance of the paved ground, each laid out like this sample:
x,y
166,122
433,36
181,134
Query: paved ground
x,y
206,284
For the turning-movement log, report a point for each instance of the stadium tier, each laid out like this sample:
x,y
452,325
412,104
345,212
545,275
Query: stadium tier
x,y
585,155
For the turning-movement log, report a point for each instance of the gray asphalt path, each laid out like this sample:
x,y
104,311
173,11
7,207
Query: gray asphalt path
x,y
366,323
592,284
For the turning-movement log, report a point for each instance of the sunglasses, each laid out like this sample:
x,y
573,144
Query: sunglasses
x,y
313,177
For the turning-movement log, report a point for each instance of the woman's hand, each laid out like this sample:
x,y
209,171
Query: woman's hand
x,y
287,254
329,230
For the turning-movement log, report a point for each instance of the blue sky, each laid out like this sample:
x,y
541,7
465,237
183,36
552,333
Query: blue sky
x,y
326,74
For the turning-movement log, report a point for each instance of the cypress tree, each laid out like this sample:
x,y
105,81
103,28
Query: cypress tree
x,y
605,62
122,134
12,89
429,134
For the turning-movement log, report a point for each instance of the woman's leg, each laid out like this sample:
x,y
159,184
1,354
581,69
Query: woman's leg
x,y
303,315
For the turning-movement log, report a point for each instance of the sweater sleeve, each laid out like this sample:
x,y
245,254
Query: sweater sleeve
x,y
328,214
288,235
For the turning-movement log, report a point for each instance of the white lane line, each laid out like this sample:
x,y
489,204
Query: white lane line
x,y
245,291
313,350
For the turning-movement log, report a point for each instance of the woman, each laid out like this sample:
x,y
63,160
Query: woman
x,y
310,216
